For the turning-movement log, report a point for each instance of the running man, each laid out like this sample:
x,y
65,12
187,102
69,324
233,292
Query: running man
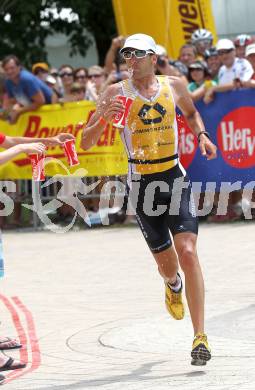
x,y
151,140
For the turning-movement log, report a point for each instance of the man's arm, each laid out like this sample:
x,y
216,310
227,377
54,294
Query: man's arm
x,y
9,142
198,93
9,154
209,94
37,101
193,117
107,107
109,63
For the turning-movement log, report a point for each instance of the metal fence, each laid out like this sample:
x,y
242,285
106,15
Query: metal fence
x,y
92,191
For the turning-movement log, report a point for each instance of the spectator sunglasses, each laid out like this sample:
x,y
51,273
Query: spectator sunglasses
x,y
63,74
127,54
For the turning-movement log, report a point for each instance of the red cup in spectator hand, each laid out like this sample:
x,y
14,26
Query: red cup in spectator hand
x,y
119,120
37,163
70,152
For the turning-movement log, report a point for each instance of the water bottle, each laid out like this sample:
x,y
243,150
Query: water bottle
x,y
1,258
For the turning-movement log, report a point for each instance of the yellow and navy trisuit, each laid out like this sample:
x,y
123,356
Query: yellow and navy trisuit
x,y
150,137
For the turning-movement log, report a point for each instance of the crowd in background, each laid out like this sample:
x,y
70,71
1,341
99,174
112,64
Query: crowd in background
x,y
205,69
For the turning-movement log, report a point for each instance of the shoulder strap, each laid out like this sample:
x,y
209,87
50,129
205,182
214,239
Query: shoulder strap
x,y
127,89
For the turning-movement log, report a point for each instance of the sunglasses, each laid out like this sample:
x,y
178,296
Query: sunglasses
x,y
227,51
81,77
69,74
95,76
127,54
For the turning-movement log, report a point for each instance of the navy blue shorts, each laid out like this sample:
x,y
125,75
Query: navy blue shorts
x,y
163,202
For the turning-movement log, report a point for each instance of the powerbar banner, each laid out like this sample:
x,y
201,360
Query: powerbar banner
x,y
107,157
170,22
230,121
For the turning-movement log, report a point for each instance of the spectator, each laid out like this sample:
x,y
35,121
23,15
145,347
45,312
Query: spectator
x,y
250,56
58,86
240,43
121,73
66,73
113,57
2,90
213,63
168,67
199,76
52,83
96,79
188,54
41,70
202,39
232,73
81,75
78,92
25,92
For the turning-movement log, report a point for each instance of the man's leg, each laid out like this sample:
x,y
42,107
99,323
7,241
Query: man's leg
x,y
185,244
167,262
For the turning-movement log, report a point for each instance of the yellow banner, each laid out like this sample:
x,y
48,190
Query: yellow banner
x,y
170,22
106,158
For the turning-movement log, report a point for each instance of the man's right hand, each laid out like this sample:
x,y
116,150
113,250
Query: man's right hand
x,y
115,106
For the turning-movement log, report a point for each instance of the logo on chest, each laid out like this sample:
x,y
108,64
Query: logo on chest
x,y
152,110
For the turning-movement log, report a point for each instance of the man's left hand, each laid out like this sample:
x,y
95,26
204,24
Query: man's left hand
x,y
207,148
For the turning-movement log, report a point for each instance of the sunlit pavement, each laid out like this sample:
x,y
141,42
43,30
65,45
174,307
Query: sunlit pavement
x,y
88,307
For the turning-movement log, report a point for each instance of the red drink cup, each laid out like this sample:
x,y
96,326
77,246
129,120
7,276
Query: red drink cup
x,y
37,163
119,119
70,152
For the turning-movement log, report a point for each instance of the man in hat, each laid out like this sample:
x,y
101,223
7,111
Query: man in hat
x,y
156,179
41,70
233,73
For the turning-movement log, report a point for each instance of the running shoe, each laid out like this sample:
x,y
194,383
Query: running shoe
x,y
174,304
201,352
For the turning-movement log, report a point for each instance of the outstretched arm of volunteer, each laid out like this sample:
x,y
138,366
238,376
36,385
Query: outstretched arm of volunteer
x,y
107,107
59,139
12,152
184,102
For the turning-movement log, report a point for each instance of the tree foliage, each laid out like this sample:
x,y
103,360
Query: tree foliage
x,y
25,25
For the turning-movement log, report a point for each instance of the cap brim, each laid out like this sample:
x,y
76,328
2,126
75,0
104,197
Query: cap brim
x,y
136,44
196,68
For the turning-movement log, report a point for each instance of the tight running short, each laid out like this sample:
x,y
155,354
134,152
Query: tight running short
x,y
163,201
